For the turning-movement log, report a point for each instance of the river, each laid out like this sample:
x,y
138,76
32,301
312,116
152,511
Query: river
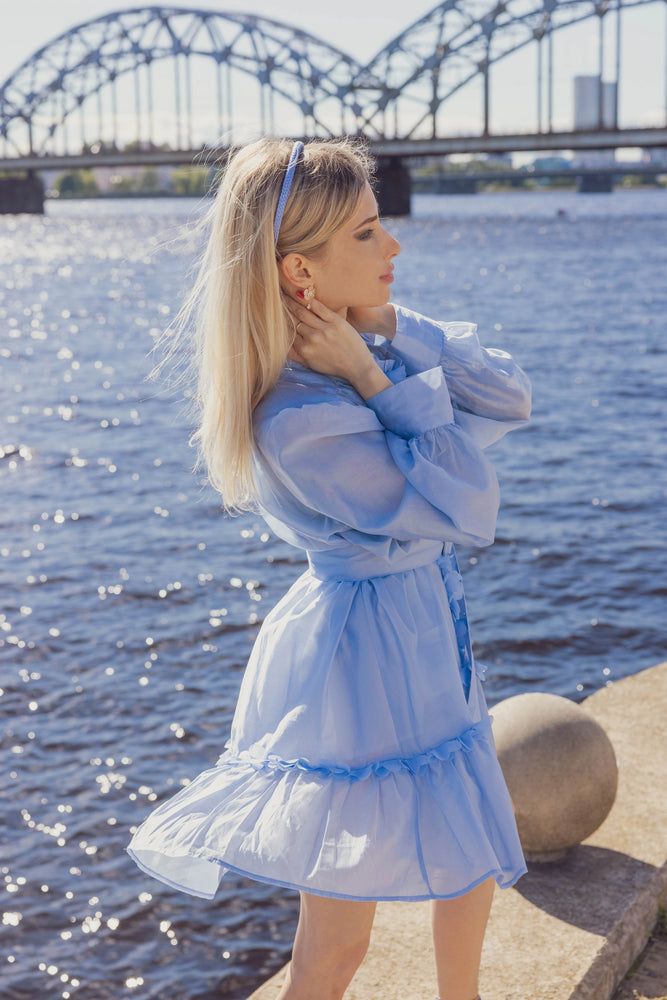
x,y
129,603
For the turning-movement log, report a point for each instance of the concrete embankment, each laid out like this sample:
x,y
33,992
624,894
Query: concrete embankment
x,y
571,929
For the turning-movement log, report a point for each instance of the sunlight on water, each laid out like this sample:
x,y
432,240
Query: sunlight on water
x,y
131,604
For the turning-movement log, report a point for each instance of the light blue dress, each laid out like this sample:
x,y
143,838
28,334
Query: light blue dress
x,y
361,763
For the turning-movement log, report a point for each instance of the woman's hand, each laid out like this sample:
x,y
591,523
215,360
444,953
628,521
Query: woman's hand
x,y
327,343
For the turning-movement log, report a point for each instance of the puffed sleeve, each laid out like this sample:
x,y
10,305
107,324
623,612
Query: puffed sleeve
x,y
398,466
489,391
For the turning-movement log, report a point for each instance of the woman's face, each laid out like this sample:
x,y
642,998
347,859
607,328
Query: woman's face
x,y
356,266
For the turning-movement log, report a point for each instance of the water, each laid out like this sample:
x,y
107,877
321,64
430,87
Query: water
x,y
130,604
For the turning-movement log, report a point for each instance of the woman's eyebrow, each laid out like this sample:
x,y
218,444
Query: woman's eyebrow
x,y
371,218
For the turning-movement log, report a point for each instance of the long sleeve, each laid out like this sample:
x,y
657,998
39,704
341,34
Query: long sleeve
x,y
489,391
398,467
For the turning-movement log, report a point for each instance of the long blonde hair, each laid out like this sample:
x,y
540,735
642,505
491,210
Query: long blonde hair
x,y
242,327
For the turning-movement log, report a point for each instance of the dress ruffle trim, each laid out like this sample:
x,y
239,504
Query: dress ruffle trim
x,y
427,826
443,752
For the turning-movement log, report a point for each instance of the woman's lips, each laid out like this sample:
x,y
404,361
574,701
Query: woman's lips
x,y
387,277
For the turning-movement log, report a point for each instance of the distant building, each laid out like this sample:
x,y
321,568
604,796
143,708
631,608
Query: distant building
x,y
587,103
587,116
655,156
109,178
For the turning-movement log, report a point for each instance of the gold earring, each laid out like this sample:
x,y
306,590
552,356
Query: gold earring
x,y
307,294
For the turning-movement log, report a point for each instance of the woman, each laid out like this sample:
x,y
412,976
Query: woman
x,y
361,764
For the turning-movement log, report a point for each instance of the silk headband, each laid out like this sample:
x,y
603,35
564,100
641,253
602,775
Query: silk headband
x,y
297,149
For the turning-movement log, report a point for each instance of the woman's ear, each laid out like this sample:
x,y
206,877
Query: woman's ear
x,y
296,270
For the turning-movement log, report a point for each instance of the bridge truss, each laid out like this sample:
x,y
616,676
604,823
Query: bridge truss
x,y
234,74
86,64
461,42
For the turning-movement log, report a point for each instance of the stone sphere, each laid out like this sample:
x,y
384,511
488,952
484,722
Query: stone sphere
x,y
560,768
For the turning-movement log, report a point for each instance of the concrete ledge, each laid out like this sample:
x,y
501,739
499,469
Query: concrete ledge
x,y
572,929
647,979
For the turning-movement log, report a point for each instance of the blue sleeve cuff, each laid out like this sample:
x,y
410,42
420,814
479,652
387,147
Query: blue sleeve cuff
x,y
415,405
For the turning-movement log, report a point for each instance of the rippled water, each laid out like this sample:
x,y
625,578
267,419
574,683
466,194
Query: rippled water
x,y
130,604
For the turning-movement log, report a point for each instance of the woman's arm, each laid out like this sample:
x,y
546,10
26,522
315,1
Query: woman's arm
x,y
483,381
398,467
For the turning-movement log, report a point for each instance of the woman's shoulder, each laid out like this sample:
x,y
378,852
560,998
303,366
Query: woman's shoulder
x,y
303,401
298,386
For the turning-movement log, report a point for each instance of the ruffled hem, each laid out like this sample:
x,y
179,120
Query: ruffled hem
x,y
504,880
431,826
442,753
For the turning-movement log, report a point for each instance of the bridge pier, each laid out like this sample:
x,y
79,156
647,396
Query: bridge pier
x,y
601,183
21,194
394,186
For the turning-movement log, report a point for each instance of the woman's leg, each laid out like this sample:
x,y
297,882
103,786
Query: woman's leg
x,y
331,940
458,933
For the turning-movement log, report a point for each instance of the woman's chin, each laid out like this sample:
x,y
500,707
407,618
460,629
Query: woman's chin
x,y
367,302
373,301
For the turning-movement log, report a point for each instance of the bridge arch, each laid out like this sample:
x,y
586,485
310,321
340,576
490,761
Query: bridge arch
x,y
311,77
457,42
298,80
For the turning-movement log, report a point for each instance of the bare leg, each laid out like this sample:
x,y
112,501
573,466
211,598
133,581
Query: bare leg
x,y
458,934
331,941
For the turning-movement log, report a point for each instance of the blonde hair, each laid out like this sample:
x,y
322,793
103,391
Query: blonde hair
x,y
243,329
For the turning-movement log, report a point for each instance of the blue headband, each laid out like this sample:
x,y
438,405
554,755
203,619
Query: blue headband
x,y
297,149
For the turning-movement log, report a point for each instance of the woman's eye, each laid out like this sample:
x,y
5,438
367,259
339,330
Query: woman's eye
x,y
365,235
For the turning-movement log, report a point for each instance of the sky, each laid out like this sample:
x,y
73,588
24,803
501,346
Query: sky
x,y
362,27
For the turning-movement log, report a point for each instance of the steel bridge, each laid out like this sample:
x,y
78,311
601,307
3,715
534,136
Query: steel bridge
x,y
169,84
224,76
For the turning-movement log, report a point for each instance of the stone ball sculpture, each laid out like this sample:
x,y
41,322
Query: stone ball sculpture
x,y
560,768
